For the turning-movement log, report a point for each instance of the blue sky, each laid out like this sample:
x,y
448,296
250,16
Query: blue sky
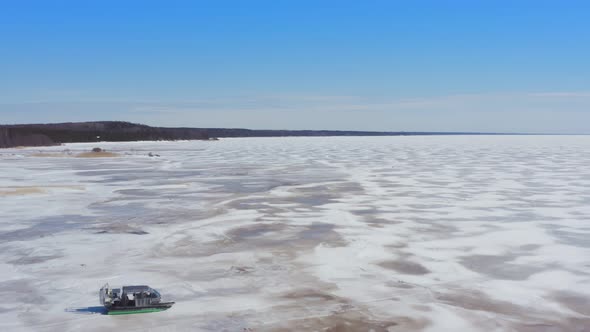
x,y
511,66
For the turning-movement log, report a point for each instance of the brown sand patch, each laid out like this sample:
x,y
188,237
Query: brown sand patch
x,y
17,191
20,191
74,187
310,294
101,154
398,245
405,267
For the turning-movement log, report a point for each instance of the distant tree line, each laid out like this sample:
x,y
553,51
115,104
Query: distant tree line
x,y
117,131
110,131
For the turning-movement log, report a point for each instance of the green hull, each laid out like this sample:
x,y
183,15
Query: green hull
x,y
135,311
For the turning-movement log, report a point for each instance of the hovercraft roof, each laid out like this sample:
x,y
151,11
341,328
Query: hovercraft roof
x,y
136,289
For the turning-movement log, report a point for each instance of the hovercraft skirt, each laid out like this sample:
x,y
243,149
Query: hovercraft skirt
x,y
138,310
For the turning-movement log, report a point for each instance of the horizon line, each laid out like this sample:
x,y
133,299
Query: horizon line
x,y
392,132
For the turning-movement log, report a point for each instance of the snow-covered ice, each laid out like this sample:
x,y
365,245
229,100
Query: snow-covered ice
x,y
440,233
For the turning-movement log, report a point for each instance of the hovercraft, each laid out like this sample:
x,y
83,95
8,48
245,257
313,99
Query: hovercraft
x,y
132,300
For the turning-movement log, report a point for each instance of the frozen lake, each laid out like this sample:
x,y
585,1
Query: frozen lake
x,y
441,233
